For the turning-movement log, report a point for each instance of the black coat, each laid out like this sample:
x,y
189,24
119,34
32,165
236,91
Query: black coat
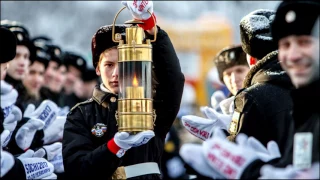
x,y
87,156
265,103
306,115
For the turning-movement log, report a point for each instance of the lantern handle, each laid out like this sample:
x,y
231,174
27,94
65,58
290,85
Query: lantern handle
x,y
114,21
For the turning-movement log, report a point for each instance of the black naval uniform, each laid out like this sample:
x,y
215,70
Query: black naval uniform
x,y
306,117
265,104
87,156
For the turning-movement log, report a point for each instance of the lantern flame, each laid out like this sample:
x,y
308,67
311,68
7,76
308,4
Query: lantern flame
x,y
135,81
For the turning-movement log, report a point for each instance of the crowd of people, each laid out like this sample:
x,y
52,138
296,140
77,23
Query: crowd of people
x,y
59,115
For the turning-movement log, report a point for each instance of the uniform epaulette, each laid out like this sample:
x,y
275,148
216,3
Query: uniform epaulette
x,y
80,103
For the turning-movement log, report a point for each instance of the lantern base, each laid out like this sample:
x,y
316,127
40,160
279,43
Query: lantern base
x,y
135,115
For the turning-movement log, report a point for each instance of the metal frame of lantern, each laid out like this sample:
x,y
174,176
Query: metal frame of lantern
x,y
135,104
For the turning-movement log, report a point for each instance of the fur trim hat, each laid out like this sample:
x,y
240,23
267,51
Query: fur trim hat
x,y
295,17
229,57
21,33
255,33
102,40
76,60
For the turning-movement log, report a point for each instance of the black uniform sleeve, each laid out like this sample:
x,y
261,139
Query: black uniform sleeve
x,y
16,172
259,121
81,158
171,82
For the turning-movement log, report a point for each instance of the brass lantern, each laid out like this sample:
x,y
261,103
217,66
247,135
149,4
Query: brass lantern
x,y
135,104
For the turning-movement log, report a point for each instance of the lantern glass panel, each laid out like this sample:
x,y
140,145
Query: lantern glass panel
x,y
135,80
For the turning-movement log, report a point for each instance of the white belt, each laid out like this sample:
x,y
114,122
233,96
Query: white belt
x,y
141,169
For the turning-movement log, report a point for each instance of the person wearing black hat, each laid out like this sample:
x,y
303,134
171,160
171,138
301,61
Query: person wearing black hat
x,y
264,106
232,67
13,167
51,90
55,53
292,32
295,30
87,154
19,65
76,66
34,80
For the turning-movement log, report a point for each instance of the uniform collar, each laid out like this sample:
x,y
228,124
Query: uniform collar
x,y
101,97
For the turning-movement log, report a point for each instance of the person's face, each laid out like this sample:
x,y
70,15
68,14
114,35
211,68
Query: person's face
x,y
35,78
51,72
19,65
108,70
233,77
299,57
4,68
59,79
73,74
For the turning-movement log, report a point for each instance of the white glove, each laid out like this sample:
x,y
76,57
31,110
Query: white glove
x,y
265,154
47,111
4,136
139,8
54,132
227,105
311,173
224,120
30,153
193,155
227,158
36,168
175,167
270,172
54,156
216,98
25,134
7,160
8,97
10,122
125,141
202,127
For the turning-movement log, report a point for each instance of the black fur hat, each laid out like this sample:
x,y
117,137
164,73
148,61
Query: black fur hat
x,y
8,45
102,40
39,53
74,59
229,57
21,33
54,51
255,33
295,17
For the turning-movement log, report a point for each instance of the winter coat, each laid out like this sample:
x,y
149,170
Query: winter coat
x,y
306,116
265,103
87,156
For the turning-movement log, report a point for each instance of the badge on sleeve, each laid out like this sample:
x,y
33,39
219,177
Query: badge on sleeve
x,y
99,129
234,123
302,150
